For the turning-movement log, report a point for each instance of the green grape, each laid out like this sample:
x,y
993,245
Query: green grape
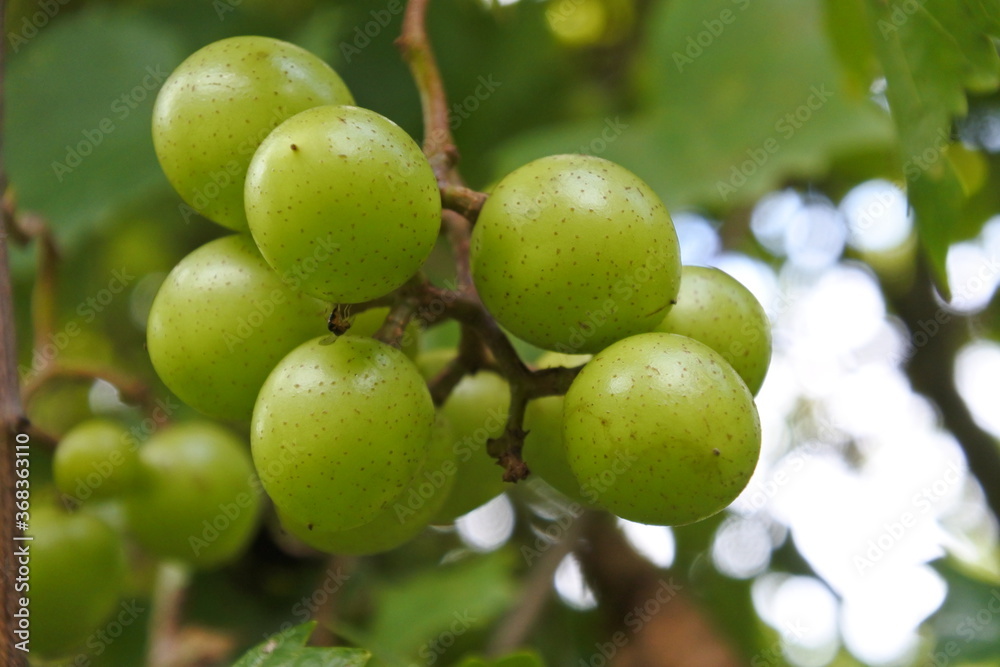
x,y
220,322
544,451
343,199
660,429
404,518
97,458
717,310
477,409
367,323
339,430
573,252
77,575
199,502
216,108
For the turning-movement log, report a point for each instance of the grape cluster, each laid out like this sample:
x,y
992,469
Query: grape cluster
x,y
185,495
333,204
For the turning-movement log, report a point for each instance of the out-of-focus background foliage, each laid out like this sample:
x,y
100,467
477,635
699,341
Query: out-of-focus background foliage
x,y
866,537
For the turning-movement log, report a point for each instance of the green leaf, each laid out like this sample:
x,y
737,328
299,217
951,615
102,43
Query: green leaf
x,y
452,599
730,111
966,623
288,649
931,53
519,659
78,135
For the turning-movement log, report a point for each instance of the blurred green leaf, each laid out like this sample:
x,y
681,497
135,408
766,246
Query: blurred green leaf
x,y
420,613
968,622
78,134
731,111
519,659
931,53
288,649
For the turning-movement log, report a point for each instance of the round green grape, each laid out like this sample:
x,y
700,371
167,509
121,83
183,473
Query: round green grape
x,y
573,252
199,503
339,430
96,458
718,310
660,429
477,409
220,322
544,451
216,108
343,198
78,572
404,518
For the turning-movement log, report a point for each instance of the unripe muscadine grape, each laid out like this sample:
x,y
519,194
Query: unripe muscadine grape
x,y
344,199
340,430
220,322
718,310
218,105
573,252
477,409
661,430
404,518
96,459
77,575
544,451
198,503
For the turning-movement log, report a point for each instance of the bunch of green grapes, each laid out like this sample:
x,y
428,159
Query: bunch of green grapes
x,y
335,205
188,495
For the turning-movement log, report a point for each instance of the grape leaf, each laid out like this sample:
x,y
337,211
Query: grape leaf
x,y
448,601
80,95
932,52
519,659
288,649
729,111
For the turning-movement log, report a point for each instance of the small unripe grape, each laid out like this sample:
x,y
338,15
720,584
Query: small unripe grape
x,y
544,451
573,252
343,198
404,518
77,575
220,322
97,459
716,309
477,409
661,430
340,430
216,108
198,503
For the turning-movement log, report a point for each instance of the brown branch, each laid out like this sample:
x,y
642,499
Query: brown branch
x,y
536,590
652,621
413,43
12,419
132,390
937,336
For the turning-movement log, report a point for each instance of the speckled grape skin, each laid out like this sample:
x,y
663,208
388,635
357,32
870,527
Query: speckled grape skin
x,y
544,451
195,472
220,322
218,105
477,409
573,252
716,309
404,518
339,430
96,450
77,575
660,429
343,199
